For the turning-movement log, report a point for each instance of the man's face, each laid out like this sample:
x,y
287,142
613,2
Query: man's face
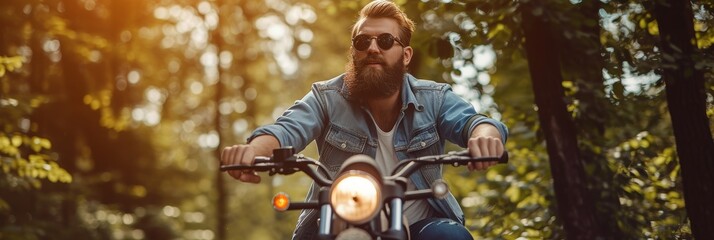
x,y
376,72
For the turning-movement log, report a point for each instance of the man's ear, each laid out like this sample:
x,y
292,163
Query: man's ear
x,y
408,52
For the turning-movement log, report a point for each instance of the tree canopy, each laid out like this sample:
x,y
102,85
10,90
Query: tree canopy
x,y
114,112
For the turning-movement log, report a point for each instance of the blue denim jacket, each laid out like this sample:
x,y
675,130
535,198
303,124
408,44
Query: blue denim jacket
x,y
431,113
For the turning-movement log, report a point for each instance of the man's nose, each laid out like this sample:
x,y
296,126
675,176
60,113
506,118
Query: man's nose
x,y
373,46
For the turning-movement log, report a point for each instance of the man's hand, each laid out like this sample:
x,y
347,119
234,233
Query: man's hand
x,y
485,141
243,155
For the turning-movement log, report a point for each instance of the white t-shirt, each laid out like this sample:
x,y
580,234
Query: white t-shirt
x,y
386,158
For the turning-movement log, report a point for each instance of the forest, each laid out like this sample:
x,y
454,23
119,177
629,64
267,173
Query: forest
x,y
113,113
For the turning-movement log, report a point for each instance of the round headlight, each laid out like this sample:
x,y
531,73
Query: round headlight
x,y
356,196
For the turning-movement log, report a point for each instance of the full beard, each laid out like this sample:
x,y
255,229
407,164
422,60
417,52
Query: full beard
x,y
366,83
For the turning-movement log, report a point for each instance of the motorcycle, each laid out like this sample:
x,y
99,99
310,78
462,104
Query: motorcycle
x,y
360,198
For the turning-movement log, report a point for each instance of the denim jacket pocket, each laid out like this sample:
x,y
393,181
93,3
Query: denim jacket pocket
x,y
422,139
345,140
342,143
423,143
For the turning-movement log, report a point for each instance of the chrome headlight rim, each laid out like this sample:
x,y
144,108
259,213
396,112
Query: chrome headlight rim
x,y
374,206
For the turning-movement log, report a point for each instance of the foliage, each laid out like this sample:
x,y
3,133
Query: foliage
x,y
113,107
65,92
25,158
9,64
630,86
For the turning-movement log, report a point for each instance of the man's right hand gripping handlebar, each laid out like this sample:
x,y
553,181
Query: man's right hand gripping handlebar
x,y
244,154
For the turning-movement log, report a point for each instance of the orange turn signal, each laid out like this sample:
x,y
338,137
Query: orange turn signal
x,y
281,202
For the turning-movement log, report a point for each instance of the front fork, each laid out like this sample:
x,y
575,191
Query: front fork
x,y
394,193
396,219
325,220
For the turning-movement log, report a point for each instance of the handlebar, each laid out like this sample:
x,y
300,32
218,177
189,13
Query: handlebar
x,y
285,162
456,158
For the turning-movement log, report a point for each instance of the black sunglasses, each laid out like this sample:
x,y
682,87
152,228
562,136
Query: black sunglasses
x,y
385,41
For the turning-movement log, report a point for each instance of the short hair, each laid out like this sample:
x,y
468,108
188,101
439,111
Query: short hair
x,y
387,9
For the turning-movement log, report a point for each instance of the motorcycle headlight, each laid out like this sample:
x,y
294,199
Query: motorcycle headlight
x,y
356,196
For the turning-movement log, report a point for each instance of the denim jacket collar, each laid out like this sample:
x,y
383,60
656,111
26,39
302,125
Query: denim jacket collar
x,y
408,98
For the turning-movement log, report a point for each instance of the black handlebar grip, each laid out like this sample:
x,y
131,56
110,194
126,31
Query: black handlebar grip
x,y
504,158
465,152
260,159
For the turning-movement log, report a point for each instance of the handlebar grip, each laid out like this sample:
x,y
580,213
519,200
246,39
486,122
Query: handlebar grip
x,y
261,159
504,158
465,153
258,165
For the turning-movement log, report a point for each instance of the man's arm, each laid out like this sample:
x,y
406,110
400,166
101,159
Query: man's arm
x,y
264,145
486,129
297,127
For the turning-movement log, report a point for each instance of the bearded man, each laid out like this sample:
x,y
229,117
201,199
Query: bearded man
x,y
377,109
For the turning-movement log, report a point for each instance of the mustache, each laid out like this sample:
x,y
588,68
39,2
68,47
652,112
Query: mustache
x,y
372,58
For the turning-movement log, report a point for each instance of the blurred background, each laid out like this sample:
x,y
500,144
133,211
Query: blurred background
x,y
113,112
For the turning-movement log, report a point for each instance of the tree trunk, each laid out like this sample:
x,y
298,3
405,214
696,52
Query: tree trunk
x,y
222,196
584,63
574,202
684,84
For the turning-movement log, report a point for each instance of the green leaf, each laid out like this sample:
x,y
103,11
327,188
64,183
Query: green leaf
x,y
513,193
16,140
